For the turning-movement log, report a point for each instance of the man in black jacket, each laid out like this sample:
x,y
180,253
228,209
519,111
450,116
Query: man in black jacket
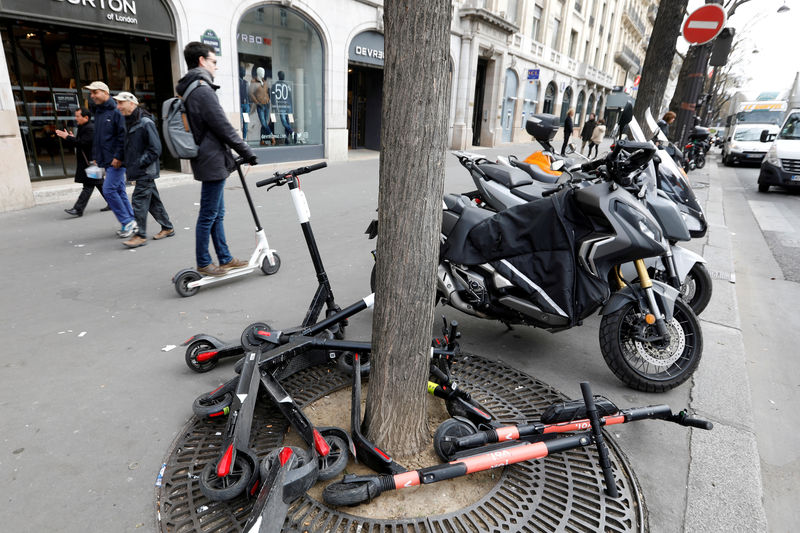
x,y
82,142
586,132
142,150
215,136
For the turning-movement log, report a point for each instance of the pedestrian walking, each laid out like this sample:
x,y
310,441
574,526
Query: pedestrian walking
x,y
82,144
586,132
214,162
142,150
666,121
567,130
109,144
598,134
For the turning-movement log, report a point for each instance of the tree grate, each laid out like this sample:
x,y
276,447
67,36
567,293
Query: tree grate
x,y
563,492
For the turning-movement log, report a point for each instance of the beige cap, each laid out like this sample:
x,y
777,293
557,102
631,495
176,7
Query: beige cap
x,y
97,86
125,96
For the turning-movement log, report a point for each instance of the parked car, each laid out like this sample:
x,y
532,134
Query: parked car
x,y
744,144
781,165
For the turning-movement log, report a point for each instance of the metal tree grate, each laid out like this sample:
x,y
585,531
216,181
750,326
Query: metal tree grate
x,y
563,492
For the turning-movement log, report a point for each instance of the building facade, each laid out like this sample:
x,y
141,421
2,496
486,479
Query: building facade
x,y
301,79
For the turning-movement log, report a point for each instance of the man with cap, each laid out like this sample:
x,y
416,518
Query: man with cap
x,y
109,143
142,150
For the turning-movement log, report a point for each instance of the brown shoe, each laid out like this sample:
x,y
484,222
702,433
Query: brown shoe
x,y
135,241
234,263
211,270
163,234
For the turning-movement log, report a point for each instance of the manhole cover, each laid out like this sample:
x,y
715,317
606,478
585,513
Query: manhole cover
x,y
563,492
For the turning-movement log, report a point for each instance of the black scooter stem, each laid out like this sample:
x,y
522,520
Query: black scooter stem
x,y
347,312
599,442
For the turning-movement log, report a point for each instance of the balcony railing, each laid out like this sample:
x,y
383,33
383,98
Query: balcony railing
x,y
634,20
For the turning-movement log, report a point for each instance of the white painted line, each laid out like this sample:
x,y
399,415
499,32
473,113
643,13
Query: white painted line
x,y
769,218
703,24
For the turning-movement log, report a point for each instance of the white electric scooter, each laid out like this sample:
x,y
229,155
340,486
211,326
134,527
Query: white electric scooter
x,y
188,281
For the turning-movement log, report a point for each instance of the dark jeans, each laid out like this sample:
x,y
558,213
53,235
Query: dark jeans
x,y
287,126
209,224
566,142
245,111
594,145
263,116
86,193
115,195
145,198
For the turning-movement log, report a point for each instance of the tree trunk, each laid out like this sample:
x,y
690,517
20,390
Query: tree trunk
x,y
658,61
413,143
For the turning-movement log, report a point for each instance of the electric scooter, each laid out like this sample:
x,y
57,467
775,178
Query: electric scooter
x,y
188,281
204,352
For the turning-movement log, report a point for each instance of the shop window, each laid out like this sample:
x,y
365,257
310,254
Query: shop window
x,y
281,78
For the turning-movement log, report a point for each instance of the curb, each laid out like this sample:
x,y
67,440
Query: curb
x,y
724,488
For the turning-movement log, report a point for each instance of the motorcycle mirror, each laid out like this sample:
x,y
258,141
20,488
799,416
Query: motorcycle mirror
x,y
626,116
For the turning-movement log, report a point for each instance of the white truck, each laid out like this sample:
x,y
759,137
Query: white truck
x,y
781,165
743,132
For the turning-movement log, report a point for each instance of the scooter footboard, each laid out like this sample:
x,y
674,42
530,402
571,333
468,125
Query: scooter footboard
x,y
664,294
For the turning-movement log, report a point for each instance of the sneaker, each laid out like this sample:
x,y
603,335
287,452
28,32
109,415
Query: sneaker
x,y
128,229
135,241
163,234
73,212
234,263
211,270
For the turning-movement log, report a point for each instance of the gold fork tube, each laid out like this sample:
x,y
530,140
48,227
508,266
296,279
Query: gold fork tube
x,y
644,278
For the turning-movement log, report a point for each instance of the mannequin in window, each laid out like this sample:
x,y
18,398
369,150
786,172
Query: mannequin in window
x,y
282,104
259,95
244,101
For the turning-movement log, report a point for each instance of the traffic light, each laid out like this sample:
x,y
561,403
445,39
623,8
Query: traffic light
x,y
722,47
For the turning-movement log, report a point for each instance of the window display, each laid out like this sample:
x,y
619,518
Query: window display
x,y
280,78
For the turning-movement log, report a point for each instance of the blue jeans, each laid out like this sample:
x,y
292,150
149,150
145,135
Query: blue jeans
x,y
115,195
209,224
286,125
263,116
245,111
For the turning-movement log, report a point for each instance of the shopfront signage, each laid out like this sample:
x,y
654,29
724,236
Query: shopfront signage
x,y
367,48
533,73
211,39
150,18
66,103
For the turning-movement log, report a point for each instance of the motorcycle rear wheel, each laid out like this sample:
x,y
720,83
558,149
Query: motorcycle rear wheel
x,y
700,160
647,366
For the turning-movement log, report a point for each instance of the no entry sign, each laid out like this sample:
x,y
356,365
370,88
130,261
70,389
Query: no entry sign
x,y
704,24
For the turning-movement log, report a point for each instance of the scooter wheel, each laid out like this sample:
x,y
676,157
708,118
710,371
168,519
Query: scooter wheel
x,y
302,476
209,405
225,488
250,340
332,464
268,269
347,494
345,363
196,348
183,280
452,427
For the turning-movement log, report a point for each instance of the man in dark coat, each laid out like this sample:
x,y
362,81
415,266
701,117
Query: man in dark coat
x,y
215,136
109,144
82,143
142,150
568,126
586,132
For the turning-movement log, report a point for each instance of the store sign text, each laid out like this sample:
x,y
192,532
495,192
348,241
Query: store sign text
x,y
254,39
121,9
369,52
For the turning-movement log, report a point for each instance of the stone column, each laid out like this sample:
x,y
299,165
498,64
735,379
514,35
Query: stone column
x,y
462,130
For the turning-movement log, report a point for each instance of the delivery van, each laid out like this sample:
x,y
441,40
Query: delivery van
x,y
781,165
743,133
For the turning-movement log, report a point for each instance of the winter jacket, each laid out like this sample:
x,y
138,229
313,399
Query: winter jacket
x,y
211,129
664,126
109,133
142,146
588,129
598,133
568,126
259,92
82,142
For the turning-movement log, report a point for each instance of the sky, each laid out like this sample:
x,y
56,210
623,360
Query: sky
x,y
775,35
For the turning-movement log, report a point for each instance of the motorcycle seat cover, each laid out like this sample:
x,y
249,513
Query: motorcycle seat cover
x,y
530,192
536,172
470,217
508,177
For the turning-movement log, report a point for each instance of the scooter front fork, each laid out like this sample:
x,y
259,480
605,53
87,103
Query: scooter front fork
x,y
655,316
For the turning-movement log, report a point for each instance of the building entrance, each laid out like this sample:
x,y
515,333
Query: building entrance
x,y
49,66
364,105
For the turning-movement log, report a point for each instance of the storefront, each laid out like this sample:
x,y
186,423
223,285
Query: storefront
x,y
53,49
281,79
365,91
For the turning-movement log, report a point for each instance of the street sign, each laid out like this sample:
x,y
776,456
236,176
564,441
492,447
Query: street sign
x,y
533,73
636,81
704,23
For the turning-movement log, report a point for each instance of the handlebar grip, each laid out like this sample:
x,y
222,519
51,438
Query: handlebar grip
x,y
239,161
310,168
593,165
269,181
699,423
472,441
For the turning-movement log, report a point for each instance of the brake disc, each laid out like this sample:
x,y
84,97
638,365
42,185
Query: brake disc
x,y
664,356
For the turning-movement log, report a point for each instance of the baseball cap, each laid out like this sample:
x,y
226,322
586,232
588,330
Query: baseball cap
x,y
97,86
125,96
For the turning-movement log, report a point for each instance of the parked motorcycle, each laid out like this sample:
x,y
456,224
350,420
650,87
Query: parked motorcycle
x,y
694,154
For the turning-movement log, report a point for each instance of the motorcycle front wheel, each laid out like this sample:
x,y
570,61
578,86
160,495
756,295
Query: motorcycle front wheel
x,y
700,160
651,366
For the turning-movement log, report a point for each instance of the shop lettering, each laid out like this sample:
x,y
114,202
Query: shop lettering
x,y
118,6
254,39
369,52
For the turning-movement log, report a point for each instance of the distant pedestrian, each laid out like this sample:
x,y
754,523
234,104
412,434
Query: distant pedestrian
x,y
586,132
214,162
82,143
567,129
142,150
109,145
666,121
598,134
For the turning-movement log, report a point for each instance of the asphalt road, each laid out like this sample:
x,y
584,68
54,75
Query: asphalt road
x,y
92,401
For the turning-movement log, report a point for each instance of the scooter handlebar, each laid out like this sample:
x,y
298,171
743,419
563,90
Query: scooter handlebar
x,y
280,178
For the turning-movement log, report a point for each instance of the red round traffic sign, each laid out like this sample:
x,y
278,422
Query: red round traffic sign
x,y
704,23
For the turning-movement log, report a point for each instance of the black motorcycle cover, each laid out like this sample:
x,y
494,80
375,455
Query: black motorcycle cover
x,y
538,241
